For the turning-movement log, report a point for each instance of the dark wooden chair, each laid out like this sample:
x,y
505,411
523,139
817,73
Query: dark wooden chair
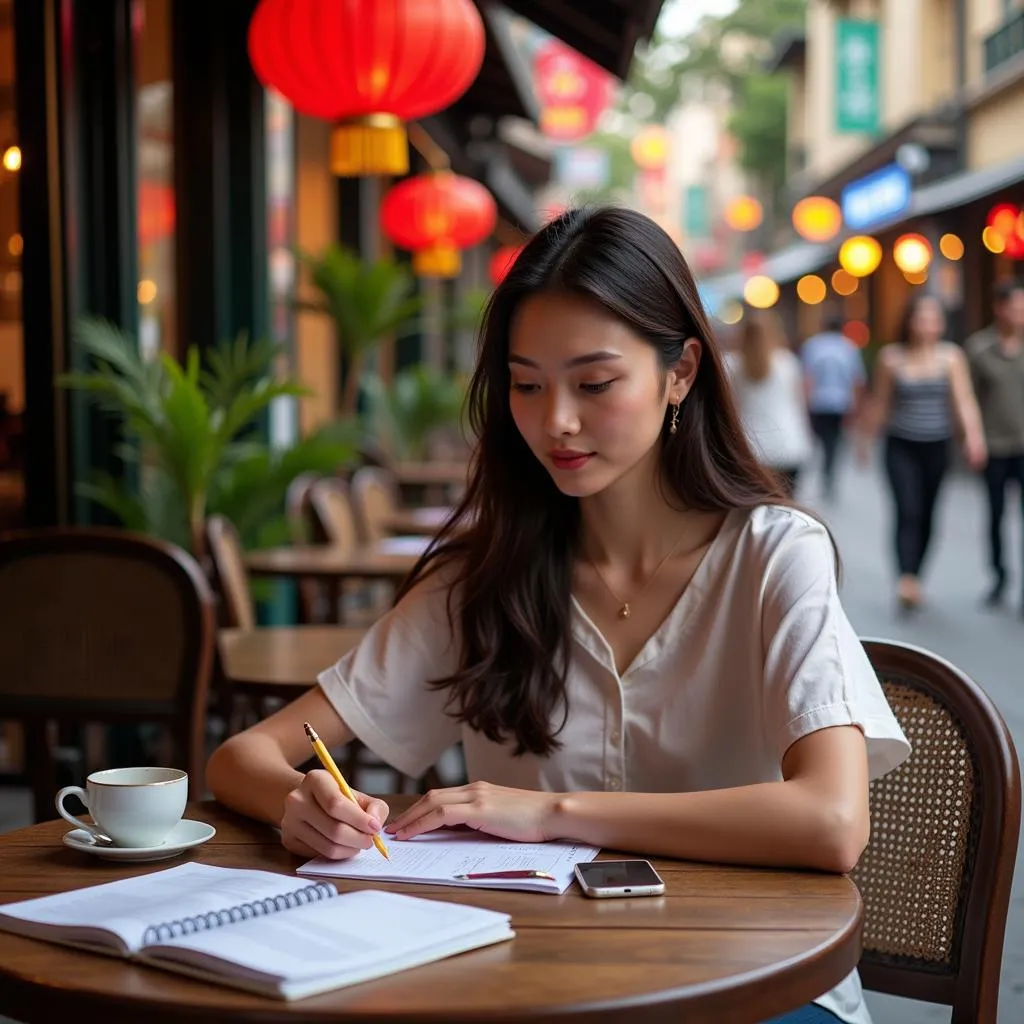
x,y
936,874
230,575
101,627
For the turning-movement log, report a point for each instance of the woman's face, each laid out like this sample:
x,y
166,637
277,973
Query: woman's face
x,y
928,322
588,395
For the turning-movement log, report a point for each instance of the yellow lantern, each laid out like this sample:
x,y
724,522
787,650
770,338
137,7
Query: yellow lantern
x,y
744,213
817,218
811,289
993,241
761,292
912,253
860,255
650,148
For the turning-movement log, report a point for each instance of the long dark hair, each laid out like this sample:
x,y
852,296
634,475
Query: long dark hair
x,y
510,545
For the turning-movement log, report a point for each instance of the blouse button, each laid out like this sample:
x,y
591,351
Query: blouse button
x,y
614,782
615,737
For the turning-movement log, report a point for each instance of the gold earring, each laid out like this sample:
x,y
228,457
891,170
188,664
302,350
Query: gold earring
x,y
674,423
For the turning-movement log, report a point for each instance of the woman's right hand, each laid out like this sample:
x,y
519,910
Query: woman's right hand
x,y
320,821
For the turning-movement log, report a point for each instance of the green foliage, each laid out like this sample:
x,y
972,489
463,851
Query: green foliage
x,y
419,402
759,122
667,67
366,301
189,429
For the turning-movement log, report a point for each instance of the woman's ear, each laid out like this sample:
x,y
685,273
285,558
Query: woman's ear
x,y
684,373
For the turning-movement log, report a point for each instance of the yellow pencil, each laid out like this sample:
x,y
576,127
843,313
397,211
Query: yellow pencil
x,y
328,762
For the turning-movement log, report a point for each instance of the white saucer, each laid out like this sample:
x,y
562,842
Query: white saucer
x,y
185,834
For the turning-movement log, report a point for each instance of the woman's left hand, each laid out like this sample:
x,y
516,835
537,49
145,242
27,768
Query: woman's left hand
x,y
521,815
975,451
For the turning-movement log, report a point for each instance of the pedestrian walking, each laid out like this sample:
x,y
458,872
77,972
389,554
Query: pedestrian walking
x,y
768,384
922,396
834,378
996,357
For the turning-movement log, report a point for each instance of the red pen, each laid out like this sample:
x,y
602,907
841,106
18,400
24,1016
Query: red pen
x,y
506,874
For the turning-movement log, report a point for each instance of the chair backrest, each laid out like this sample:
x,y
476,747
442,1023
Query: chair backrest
x,y
230,574
298,509
374,498
102,626
333,510
936,874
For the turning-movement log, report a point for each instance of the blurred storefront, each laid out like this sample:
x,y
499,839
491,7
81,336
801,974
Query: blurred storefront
x,y
160,187
907,114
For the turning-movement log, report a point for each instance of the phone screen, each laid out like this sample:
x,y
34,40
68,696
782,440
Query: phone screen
x,y
613,874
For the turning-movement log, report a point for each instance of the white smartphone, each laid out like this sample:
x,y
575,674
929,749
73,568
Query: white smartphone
x,y
602,879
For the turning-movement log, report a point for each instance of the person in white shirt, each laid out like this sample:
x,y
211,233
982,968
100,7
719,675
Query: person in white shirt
x,y
634,633
769,388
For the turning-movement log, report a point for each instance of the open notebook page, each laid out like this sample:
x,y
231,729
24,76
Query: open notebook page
x,y
345,939
437,857
128,907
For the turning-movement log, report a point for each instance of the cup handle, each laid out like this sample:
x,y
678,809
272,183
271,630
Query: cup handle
x,y
93,830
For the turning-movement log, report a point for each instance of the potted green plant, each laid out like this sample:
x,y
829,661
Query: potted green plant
x,y
190,430
367,303
419,403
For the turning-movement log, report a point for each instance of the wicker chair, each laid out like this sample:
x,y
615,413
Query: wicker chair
x,y
936,874
230,575
101,627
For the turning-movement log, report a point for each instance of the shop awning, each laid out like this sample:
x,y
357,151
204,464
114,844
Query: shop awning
x,y
606,31
785,265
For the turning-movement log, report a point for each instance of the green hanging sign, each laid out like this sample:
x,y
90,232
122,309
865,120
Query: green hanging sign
x,y
858,91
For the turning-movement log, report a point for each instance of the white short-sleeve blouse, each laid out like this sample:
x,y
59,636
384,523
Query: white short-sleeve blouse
x,y
756,654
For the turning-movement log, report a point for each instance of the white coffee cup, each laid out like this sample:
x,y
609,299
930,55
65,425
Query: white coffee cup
x,y
134,807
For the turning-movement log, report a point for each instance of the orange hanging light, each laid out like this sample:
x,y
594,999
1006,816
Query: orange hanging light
x,y
817,218
651,147
435,216
912,253
501,262
368,65
744,213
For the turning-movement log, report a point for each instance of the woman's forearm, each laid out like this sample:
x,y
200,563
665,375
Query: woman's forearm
x,y
249,774
782,824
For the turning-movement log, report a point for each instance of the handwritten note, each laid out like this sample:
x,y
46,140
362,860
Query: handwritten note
x,y
437,857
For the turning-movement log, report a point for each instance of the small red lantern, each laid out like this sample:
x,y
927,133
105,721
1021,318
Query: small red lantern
x,y
573,91
156,212
369,65
501,262
436,215
1005,220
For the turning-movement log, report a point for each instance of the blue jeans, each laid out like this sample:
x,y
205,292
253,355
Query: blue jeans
x,y
809,1014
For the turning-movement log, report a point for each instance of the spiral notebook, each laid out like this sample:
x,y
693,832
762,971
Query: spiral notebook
x,y
256,930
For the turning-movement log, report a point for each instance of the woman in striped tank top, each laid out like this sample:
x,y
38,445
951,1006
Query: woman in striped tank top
x,y
922,395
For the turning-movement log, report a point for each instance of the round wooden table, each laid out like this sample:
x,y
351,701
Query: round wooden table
x,y
723,944
282,660
325,562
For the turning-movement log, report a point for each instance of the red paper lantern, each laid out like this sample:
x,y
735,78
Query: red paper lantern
x,y
573,91
434,216
501,262
369,65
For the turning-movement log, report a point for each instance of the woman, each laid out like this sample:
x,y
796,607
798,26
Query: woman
x,y
768,383
579,625
922,392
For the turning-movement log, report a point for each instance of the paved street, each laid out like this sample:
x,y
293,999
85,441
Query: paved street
x,y
987,645
990,646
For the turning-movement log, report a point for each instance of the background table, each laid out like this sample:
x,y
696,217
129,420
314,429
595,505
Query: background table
x,y
325,562
282,661
723,945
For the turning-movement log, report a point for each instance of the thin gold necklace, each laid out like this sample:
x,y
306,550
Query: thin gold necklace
x,y
625,610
